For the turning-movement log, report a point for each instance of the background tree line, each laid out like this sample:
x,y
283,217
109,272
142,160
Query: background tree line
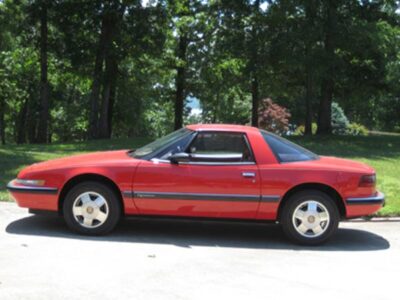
x,y
72,70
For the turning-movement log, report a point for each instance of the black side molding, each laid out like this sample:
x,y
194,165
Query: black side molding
x,y
201,197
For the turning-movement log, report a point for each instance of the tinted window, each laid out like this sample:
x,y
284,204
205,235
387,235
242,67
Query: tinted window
x,y
161,143
286,151
209,146
178,146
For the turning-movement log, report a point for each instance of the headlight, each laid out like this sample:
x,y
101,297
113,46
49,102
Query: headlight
x,y
31,182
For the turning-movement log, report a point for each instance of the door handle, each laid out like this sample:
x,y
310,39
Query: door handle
x,y
249,174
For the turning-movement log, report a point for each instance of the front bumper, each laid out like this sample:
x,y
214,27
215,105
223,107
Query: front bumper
x,y
34,197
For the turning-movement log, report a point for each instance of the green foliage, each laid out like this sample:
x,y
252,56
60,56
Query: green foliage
x,y
301,129
273,117
234,50
339,120
357,129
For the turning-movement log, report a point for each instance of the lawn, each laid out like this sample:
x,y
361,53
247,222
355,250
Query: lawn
x,y
381,152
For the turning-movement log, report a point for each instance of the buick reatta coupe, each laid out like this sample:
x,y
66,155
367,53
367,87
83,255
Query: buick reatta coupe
x,y
227,172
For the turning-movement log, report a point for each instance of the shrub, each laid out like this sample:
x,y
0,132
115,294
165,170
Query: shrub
x,y
273,117
339,120
357,129
301,129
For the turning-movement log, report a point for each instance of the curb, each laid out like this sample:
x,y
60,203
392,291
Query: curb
x,y
375,219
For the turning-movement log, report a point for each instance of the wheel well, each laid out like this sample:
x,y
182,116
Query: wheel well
x,y
87,177
314,186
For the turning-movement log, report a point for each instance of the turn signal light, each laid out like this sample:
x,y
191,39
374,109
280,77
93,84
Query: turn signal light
x,y
30,182
367,180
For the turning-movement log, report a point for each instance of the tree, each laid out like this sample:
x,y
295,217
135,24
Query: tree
x,y
340,123
185,25
100,112
105,69
327,87
42,134
273,117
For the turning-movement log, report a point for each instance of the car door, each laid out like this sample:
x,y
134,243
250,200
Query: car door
x,y
220,179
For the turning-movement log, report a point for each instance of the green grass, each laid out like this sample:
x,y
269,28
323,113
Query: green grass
x,y
380,151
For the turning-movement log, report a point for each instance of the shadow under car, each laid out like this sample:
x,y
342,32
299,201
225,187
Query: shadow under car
x,y
184,233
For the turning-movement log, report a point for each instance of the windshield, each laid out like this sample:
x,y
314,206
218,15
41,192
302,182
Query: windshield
x,y
161,143
286,151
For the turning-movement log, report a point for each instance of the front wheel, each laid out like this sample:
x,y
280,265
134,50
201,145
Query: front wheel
x,y
91,208
310,217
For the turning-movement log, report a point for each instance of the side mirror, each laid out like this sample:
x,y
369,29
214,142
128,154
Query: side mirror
x,y
179,157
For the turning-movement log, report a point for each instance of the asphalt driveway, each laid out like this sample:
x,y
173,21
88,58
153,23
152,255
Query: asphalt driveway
x,y
157,259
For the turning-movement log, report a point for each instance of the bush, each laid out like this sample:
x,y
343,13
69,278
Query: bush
x,y
357,129
340,124
273,117
301,129
339,120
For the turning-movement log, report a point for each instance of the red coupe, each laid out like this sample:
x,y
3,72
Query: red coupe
x,y
204,171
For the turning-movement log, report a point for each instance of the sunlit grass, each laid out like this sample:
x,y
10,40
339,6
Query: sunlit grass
x,y
381,152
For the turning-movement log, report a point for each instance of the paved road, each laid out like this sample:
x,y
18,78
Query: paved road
x,y
142,259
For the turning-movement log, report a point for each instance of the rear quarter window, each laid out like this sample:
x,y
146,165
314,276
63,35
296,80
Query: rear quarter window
x,y
286,151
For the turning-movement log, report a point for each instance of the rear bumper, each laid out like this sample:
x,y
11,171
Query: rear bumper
x,y
379,198
34,197
364,206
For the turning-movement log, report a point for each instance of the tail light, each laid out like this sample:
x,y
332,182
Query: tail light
x,y
367,181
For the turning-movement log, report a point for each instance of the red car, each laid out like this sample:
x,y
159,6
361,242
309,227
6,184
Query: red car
x,y
204,171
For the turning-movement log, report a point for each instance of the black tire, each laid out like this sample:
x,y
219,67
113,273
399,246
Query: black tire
x,y
297,201
112,206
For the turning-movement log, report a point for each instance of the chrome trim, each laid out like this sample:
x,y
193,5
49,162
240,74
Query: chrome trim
x,y
378,199
31,189
240,163
216,156
249,174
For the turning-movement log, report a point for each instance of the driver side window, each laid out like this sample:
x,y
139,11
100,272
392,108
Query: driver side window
x,y
220,147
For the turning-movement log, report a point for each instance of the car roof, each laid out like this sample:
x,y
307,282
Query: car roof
x,y
222,127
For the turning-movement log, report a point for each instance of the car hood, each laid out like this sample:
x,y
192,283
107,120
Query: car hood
x,y
90,159
330,162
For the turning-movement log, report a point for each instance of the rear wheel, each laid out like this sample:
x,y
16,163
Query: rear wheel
x,y
92,208
310,217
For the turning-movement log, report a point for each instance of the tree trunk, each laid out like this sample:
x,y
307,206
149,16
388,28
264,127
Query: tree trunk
x,y
113,95
180,81
325,110
105,34
324,115
309,100
255,100
109,90
309,59
254,67
20,124
2,124
31,120
44,85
